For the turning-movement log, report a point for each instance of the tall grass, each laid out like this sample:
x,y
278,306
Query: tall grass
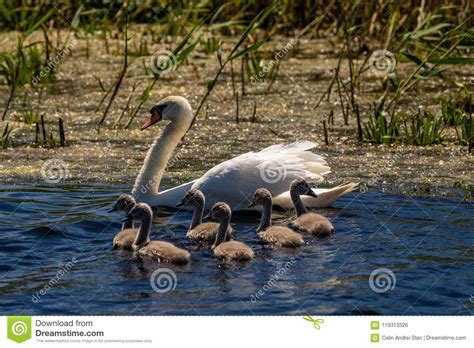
x,y
5,136
432,36
20,67
423,129
384,19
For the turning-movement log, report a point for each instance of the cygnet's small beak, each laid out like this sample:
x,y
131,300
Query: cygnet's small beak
x,y
114,208
180,204
207,216
252,204
312,193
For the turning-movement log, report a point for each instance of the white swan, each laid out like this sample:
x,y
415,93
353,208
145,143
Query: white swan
x,y
233,181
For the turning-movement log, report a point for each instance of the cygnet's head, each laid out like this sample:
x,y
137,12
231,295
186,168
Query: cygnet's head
x,y
261,197
124,203
301,187
220,211
140,212
192,198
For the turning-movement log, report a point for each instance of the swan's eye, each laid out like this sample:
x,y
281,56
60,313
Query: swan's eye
x,y
158,110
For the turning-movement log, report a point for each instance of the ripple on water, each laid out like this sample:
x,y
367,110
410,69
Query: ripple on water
x,y
425,242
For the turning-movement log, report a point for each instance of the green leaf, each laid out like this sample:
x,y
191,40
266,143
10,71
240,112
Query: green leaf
x,y
453,61
187,37
258,18
35,26
184,53
145,94
421,33
249,49
211,84
219,54
392,77
76,19
413,58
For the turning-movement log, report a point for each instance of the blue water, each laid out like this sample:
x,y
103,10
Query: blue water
x,y
426,242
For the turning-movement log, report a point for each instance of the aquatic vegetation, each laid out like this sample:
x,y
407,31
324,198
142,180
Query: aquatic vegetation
x,y
118,82
380,129
235,53
30,117
20,68
210,44
456,112
259,69
171,61
465,137
332,53
50,140
4,138
422,128
453,109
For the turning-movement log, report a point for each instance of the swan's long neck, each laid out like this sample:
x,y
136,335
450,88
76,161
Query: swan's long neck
x,y
149,178
222,231
298,203
266,217
197,215
143,231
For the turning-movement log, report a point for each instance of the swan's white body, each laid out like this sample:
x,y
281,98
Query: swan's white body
x,y
233,181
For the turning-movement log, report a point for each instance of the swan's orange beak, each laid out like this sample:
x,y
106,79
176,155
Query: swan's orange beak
x,y
154,118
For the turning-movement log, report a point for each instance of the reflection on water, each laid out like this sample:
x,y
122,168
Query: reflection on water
x,y
57,259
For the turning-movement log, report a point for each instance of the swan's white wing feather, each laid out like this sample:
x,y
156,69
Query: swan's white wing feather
x,y
235,181
326,197
301,145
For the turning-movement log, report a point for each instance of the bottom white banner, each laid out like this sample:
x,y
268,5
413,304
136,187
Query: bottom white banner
x,y
215,331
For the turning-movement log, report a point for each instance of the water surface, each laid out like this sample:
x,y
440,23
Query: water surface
x,y
48,230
